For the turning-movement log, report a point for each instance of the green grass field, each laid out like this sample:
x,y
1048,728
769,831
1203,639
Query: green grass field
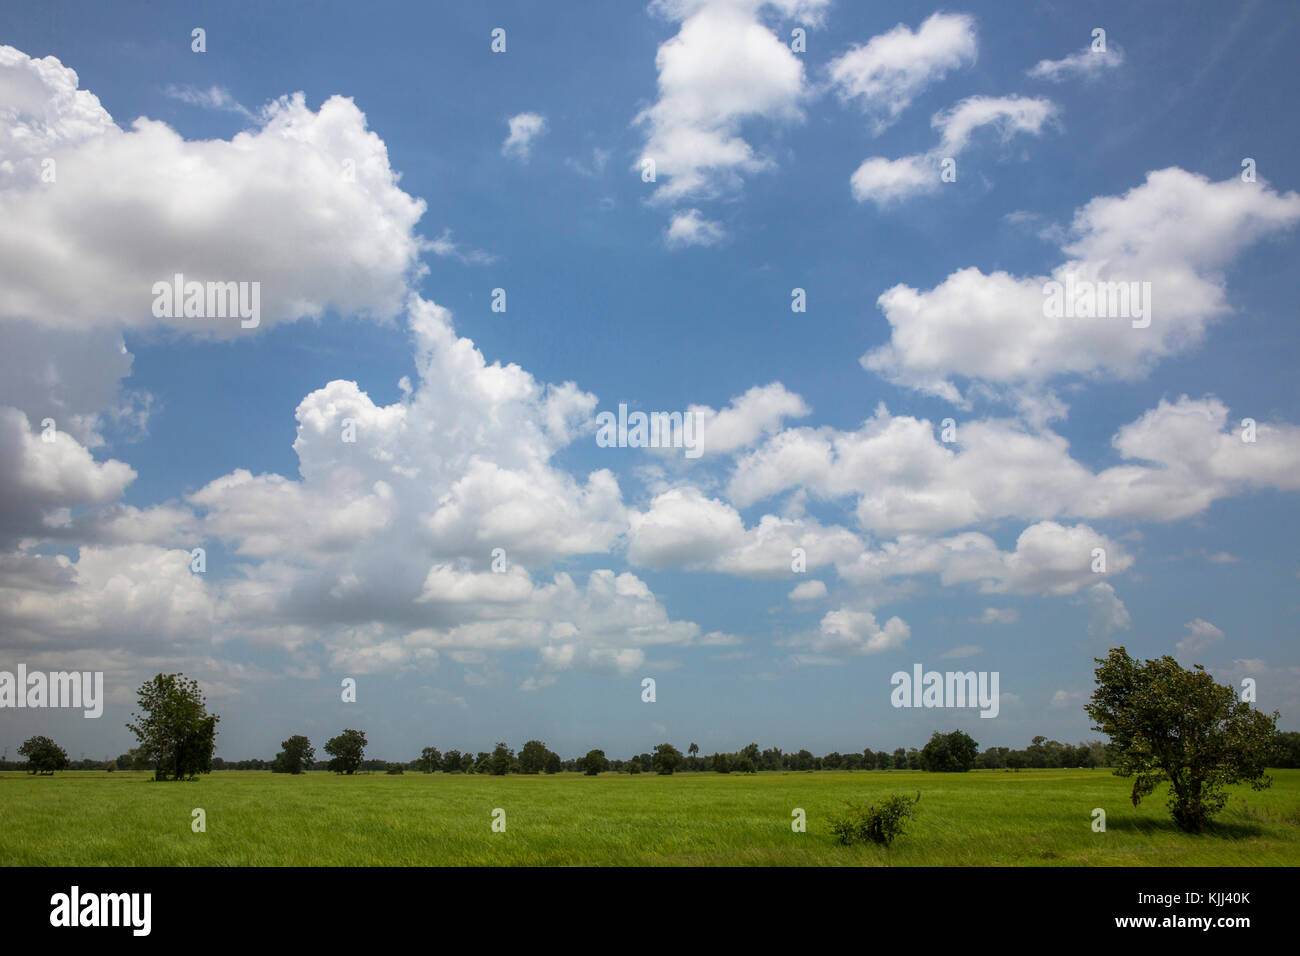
x,y
991,818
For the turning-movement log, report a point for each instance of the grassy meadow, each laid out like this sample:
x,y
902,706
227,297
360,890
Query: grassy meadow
x,y
982,818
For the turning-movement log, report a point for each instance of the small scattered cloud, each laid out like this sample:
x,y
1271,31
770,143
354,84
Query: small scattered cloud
x,y
1201,636
213,98
808,590
525,128
690,228
1087,63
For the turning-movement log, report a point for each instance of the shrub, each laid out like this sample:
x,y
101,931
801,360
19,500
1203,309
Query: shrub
x,y
394,768
876,822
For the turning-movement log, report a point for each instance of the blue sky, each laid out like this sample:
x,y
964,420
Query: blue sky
x,y
818,170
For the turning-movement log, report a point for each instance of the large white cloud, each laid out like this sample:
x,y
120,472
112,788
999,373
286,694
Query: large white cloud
x,y
724,66
1180,457
306,204
1177,231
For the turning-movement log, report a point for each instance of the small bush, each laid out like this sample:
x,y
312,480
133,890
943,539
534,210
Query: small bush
x,y
395,768
876,822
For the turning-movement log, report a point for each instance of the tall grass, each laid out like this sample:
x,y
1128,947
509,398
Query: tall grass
x,y
1032,818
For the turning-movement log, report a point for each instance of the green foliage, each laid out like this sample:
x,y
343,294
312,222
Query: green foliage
x,y
346,751
633,766
949,753
296,757
43,755
502,760
874,823
594,763
394,768
667,758
1286,750
532,757
177,734
430,760
1169,724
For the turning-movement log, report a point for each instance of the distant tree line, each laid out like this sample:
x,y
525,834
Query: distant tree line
x,y
951,752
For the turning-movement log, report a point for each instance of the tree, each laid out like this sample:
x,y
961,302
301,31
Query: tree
x,y
1286,749
633,766
693,749
451,761
1168,724
594,763
430,760
553,762
347,751
532,758
949,753
667,758
502,760
900,759
176,733
43,755
296,756
721,763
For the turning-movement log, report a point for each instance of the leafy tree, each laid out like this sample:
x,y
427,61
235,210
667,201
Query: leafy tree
x,y
803,760
176,733
43,755
127,761
451,762
532,758
693,749
502,760
744,765
949,753
721,763
1286,750
594,763
1168,724
296,756
900,759
553,762
430,760
667,759
347,751
482,762
394,768
633,766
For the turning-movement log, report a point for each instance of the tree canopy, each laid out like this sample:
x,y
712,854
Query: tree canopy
x,y
1169,724
346,751
176,733
43,755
